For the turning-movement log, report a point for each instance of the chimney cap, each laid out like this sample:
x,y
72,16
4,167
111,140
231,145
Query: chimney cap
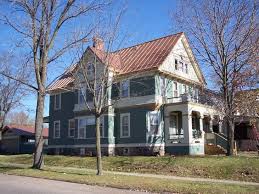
x,y
98,43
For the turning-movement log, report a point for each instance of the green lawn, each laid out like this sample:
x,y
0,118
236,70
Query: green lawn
x,y
218,167
130,182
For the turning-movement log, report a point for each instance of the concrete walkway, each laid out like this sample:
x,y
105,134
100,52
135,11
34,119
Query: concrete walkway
x,y
191,179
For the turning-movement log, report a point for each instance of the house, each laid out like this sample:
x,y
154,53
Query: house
x,y
19,139
161,108
247,127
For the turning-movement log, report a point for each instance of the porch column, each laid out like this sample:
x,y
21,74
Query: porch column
x,y
201,126
220,126
187,127
211,124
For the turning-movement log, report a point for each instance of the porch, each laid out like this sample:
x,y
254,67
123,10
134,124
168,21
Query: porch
x,y
188,126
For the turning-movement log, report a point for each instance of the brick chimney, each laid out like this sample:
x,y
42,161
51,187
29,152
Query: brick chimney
x,y
98,43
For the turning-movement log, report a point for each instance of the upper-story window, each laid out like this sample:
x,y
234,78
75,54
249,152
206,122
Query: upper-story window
x,y
181,66
90,69
176,64
125,125
186,68
56,129
124,87
71,128
176,92
81,95
57,101
163,86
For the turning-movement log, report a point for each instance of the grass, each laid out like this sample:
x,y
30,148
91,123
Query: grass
x,y
240,168
130,182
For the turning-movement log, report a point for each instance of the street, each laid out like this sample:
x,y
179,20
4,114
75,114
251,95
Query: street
x,y
10,184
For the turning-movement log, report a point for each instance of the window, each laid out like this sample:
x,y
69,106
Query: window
x,y
71,128
153,123
174,131
57,101
81,128
175,89
176,64
81,95
186,68
56,129
90,69
125,88
184,89
82,124
181,66
125,125
163,86
196,93
102,127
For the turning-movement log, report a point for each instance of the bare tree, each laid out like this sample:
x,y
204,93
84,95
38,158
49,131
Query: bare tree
x,y
11,91
19,118
44,22
95,74
224,35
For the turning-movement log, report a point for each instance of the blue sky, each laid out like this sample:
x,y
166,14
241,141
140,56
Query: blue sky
x,y
144,20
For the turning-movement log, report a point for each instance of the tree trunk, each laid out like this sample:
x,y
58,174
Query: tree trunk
x,y
98,147
231,141
1,133
39,141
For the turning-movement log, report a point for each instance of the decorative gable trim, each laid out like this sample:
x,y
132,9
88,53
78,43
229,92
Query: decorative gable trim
x,y
193,60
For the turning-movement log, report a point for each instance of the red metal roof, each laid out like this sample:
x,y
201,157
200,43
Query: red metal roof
x,y
141,57
28,128
147,55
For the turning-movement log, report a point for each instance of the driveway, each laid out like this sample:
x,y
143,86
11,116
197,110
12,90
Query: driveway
x,y
10,184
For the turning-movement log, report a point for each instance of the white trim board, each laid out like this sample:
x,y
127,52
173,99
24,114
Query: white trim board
x,y
106,145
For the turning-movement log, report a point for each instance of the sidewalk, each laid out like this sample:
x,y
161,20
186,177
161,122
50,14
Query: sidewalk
x,y
190,179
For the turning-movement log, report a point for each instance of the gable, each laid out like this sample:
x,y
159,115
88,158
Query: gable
x,y
182,53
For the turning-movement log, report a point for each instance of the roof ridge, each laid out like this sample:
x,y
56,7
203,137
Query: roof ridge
x,y
148,41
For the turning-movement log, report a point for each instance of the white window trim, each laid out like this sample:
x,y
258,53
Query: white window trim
x,y
54,132
69,128
121,89
175,89
55,96
121,116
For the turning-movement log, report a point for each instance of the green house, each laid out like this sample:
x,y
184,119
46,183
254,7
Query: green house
x,y
161,104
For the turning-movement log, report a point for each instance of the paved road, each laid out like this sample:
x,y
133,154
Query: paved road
x,y
10,184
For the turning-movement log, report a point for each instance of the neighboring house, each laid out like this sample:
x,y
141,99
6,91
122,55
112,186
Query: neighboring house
x,y
247,127
19,139
160,108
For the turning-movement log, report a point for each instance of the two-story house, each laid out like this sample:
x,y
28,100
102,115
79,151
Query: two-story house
x,y
159,108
